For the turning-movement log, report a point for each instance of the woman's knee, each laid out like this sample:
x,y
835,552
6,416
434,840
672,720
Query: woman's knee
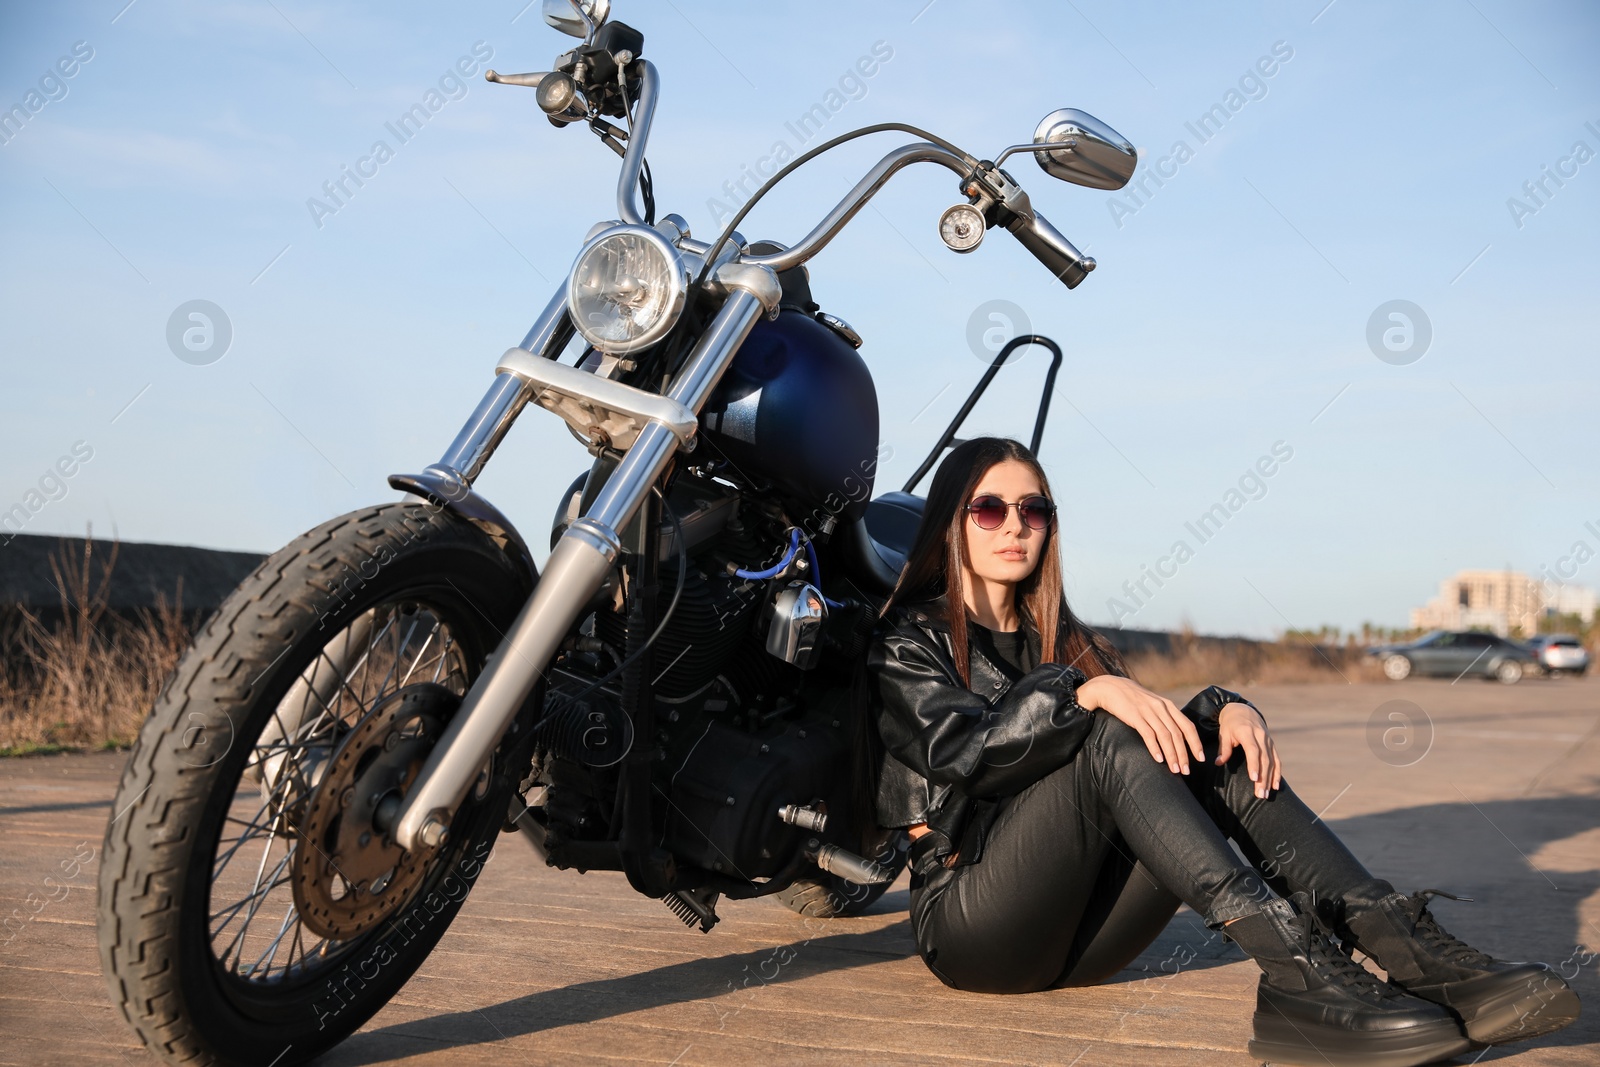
x,y
1112,737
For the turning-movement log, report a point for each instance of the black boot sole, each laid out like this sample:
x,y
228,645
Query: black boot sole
x,y
1279,1041
1527,1009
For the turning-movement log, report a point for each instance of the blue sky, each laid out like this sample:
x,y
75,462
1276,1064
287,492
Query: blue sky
x,y
1229,314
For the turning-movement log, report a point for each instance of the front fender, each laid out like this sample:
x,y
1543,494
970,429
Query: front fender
x,y
447,489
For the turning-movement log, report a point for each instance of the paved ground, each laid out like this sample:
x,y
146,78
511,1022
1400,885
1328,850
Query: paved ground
x,y
1492,792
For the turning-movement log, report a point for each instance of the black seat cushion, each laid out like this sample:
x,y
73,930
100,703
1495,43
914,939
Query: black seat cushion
x,y
874,547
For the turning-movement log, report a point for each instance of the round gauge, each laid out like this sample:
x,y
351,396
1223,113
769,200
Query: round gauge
x,y
961,228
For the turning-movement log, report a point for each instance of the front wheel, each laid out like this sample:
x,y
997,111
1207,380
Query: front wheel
x,y
1508,672
1397,668
252,909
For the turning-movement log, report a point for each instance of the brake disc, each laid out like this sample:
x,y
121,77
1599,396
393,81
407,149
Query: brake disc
x,y
347,874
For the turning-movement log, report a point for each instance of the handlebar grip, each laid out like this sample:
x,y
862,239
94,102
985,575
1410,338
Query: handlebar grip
x,y
1051,247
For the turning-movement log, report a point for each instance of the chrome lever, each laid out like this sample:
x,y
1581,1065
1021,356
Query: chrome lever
x,y
1068,145
530,80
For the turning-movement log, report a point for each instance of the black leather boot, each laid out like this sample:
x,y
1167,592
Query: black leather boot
x,y
1315,1005
1497,1002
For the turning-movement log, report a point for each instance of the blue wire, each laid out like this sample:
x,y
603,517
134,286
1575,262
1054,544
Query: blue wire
x,y
788,557
816,576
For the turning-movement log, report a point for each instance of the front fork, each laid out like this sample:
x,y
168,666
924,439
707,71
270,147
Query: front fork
x,y
588,550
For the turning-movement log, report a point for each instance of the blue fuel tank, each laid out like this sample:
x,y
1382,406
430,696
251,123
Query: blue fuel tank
x,y
798,410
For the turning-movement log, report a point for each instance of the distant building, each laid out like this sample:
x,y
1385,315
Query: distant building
x,y
1502,601
1570,600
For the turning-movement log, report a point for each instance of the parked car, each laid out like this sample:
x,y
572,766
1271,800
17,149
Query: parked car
x,y
1454,654
1559,654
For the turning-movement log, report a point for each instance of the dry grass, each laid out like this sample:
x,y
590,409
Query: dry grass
x,y
89,681
1196,663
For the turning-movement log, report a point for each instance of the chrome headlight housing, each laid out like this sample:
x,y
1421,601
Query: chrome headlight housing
x,y
627,289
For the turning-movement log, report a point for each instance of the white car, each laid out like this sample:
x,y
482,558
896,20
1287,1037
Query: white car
x,y
1559,653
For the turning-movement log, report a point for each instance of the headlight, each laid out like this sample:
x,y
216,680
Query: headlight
x,y
627,289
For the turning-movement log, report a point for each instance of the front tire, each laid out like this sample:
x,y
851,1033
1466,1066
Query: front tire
x,y
1509,672
389,611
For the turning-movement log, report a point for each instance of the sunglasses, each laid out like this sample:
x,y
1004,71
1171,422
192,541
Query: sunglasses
x,y
989,512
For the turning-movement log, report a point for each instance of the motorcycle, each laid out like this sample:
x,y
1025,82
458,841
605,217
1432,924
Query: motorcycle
x,y
322,779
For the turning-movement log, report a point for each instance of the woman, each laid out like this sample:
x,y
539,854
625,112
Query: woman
x,y
1060,812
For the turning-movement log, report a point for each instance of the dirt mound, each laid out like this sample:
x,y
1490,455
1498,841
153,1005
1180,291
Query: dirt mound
x,y
145,575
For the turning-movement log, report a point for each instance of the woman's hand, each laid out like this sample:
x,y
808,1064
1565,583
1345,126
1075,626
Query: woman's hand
x,y
1239,725
1167,732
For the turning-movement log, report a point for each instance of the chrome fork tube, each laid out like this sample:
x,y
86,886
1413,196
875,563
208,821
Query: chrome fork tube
x,y
553,328
469,453
500,406
577,566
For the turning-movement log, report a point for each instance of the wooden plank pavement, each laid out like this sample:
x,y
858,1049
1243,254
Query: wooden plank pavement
x,y
547,967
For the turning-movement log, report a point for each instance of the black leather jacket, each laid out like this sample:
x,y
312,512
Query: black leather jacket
x,y
952,753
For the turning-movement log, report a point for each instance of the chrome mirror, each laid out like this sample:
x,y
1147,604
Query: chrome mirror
x,y
1091,153
577,18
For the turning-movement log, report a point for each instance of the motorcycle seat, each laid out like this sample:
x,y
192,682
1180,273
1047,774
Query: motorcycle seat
x,y
874,547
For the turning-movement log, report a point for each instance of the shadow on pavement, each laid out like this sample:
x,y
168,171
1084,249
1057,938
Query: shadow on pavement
x,y
1519,911
1474,850
678,983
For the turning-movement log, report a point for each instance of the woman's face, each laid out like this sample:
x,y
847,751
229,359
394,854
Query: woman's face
x,y
1011,552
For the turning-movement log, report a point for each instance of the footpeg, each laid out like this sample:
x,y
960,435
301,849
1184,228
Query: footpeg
x,y
696,907
804,817
847,865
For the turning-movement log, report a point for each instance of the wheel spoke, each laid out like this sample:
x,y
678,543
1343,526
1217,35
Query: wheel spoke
x,y
360,664
444,652
271,953
239,842
364,664
258,896
383,686
403,643
416,660
232,910
253,903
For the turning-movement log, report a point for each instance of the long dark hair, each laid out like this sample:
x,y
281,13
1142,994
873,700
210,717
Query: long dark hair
x,y
934,568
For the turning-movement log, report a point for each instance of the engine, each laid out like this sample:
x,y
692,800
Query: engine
x,y
716,610
740,733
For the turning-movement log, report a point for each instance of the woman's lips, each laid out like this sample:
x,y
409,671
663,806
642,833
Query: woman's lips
x,y
1012,553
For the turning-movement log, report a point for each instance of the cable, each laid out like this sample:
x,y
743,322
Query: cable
x,y
804,157
683,570
778,567
816,576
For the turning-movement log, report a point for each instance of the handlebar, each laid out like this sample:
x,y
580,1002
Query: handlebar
x,y
856,199
638,137
1048,245
1051,247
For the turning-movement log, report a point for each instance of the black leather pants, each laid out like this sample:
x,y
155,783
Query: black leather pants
x,y
1083,869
